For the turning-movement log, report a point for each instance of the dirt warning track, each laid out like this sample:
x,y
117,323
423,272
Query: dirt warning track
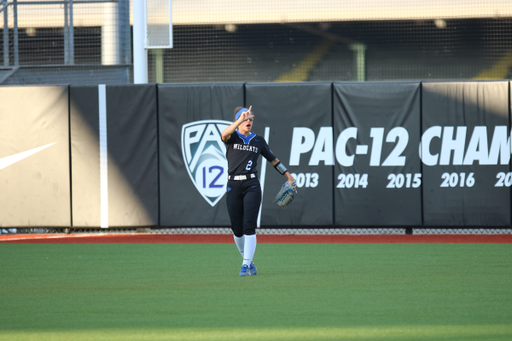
x,y
262,238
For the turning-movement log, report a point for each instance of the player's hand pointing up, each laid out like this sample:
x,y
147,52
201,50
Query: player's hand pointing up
x,y
246,115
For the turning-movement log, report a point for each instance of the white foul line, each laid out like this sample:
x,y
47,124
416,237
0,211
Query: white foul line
x,y
102,99
262,177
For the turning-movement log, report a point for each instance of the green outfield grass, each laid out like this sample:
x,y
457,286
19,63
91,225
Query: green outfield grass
x,y
302,292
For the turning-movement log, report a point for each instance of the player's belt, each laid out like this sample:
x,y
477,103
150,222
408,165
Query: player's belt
x,y
241,177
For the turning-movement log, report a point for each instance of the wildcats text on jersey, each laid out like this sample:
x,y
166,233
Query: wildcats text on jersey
x,y
253,149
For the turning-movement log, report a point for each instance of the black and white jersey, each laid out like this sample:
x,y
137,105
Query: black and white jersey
x,y
242,152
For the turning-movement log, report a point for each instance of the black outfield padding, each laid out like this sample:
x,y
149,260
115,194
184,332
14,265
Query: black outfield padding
x,y
466,154
364,154
193,166
85,155
298,120
132,167
378,171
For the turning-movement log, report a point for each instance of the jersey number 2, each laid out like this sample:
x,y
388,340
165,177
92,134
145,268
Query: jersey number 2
x,y
249,165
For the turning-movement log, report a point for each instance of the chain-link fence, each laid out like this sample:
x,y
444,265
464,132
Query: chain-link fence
x,y
328,40
268,231
459,49
65,41
263,41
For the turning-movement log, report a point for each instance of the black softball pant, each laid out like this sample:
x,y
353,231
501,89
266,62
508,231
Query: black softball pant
x,y
243,199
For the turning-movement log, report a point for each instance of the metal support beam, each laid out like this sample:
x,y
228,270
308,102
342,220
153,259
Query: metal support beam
x,y
110,35
359,50
8,74
140,61
71,35
69,54
15,38
62,2
6,35
125,47
159,65
66,34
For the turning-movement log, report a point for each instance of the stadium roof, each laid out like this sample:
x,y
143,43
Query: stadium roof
x,y
220,12
286,11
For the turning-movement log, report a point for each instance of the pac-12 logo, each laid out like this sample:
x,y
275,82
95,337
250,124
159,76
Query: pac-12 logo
x,y
204,154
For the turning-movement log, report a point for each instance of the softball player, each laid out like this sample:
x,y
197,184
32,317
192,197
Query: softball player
x,y
243,196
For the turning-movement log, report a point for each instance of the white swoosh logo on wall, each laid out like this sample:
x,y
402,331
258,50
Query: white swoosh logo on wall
x,y
9,160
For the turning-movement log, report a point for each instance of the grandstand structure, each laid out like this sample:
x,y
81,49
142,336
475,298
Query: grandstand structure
x,y
90,41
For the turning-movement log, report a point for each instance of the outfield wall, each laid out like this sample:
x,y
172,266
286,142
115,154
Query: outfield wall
x,y
407,154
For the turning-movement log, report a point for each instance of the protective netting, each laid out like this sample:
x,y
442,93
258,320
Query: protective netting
x,y
269,231
340,51
62,42
266,40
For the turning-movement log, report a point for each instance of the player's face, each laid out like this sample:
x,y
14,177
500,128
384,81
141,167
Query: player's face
x,y
246,126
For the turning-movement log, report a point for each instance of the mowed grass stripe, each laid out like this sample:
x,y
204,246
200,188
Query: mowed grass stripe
x,y
482,332
192,291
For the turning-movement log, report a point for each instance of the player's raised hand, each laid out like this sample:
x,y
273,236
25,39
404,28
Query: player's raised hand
x,y
246,115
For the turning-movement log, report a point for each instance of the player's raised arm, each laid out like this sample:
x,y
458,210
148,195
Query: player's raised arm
x,y
245,114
